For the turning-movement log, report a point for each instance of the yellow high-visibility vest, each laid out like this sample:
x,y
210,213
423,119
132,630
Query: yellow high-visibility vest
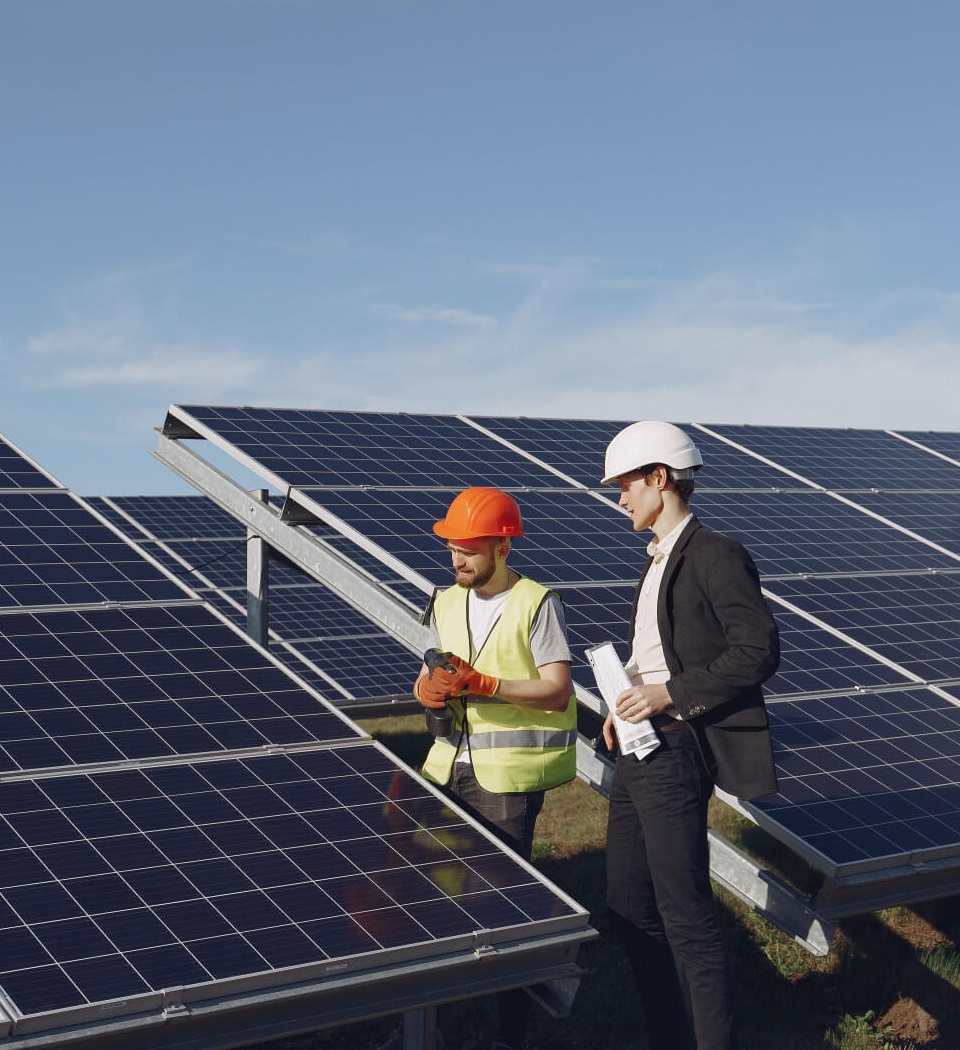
x,y
513,748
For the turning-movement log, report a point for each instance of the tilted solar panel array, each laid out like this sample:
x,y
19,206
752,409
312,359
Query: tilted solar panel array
x,y
343,652
183,821
864,586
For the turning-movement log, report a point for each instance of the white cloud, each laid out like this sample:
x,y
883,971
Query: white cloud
x,y
109,337
438,315
216,372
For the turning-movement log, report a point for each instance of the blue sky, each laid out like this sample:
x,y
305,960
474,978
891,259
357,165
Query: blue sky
x,y
712,210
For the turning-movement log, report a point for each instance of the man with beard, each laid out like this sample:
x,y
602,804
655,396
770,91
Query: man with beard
x,y
507,685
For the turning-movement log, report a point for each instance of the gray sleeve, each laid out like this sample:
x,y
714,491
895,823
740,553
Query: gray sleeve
x,y
548,636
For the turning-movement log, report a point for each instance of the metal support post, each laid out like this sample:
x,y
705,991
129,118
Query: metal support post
x,y
258,581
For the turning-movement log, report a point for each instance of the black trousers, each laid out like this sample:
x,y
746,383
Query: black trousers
x,y
512,818
660,899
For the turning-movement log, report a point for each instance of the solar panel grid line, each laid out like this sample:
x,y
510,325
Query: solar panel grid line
x,y
200,580
840,459
97,513
300,657
523,452
306,497
783,603
912,621
19,471
945,443
900,436
180,884
895,525
55,550
756,455
116,685
366,686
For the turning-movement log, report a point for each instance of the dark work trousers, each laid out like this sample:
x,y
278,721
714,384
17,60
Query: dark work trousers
x,y
659,895
512,819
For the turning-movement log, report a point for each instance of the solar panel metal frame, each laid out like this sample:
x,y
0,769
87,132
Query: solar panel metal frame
x,y
350,680
19,471
500,949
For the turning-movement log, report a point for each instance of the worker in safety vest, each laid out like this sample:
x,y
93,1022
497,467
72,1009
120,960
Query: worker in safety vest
x,y
505,682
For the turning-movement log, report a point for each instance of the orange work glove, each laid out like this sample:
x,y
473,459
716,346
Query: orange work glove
x,y
470,680
430,694
440,681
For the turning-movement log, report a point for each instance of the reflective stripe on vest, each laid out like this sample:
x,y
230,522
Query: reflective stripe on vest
x,y
521,738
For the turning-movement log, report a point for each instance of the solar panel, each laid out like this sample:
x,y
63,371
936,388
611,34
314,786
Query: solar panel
x,y
172,517
53,551
576,448
911,620
107,685
18,472
182,820
810,533
946,443
844,459
356,658
814,660
848,804
933,515
365,448
116,885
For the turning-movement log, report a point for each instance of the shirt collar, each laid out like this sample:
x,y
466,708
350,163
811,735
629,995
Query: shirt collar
x,y
666,545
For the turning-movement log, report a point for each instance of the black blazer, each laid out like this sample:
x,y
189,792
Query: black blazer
x,y
721,643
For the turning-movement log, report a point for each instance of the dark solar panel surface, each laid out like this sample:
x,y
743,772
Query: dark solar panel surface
x,y
108,685
811,533
911,620
363,660
891,790
933,515
117,884
17,472
359,448
569,536
576,448
54,552
845,459
813,660
173,517
947,443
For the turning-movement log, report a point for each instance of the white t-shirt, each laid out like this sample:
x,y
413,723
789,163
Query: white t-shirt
x,y
548,634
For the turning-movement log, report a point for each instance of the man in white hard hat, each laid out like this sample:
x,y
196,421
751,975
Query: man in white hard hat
x,y
702,642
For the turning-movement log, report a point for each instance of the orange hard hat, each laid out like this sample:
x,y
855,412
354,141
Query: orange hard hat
x,y
480,512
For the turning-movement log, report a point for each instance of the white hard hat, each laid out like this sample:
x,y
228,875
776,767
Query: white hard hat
x,y
650,441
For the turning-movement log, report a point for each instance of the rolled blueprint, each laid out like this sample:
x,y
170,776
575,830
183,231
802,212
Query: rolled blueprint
x,y
635,738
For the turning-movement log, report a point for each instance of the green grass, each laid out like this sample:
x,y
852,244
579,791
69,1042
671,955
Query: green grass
x,y
890,980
